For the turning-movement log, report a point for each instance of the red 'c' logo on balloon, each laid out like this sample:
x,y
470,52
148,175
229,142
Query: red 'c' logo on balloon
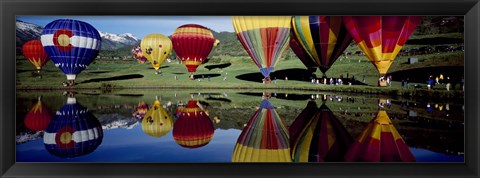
x,y
62,39
64,138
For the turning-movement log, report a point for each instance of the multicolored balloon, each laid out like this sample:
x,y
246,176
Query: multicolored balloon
x,y
34,52
157,122
265,38
302,54
137,53
38,118
73,131
193,128
322,38
140,111
192,44
156,48
264,139
379,142
381,37
71,44
318,136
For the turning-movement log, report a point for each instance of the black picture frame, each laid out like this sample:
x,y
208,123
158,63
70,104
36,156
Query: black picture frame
x,y
10,8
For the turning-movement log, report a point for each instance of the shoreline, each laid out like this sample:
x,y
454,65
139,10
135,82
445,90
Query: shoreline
x,y
435,93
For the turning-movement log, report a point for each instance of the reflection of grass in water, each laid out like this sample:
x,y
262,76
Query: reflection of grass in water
x,y
357,66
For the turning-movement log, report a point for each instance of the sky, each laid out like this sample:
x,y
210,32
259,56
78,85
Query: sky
x,y
140,26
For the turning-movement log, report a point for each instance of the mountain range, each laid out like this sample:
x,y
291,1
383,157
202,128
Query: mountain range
x,y
27,31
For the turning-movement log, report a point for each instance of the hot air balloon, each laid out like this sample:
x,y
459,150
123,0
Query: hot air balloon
x,y
156,48
38,118
264,38
302,54
193,128
317,136
140,110
72,45
73,131
379,142
264,139
34,52
157,122
322,38
381,37
137,53
192,44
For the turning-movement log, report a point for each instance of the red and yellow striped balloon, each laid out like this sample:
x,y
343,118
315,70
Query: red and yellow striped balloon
x,y
192,44
381,37
193,127
379,142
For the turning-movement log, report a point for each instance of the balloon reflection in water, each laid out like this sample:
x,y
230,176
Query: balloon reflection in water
x,y
193,128
264,139
317,135
379,142
73,131
140,110
38,118
157,122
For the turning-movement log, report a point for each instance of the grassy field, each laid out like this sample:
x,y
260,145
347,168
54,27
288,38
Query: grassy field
x,y
104,74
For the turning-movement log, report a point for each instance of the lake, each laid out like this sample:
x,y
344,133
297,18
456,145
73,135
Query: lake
x,y
235,126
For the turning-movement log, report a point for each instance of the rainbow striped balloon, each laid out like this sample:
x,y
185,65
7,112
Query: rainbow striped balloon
x,y
264,38
264,139
323,38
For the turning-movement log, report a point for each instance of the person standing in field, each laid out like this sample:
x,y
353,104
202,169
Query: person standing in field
x,y
448,84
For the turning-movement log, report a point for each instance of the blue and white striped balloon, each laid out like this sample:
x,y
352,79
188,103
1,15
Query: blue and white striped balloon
x,y
73,131
71,44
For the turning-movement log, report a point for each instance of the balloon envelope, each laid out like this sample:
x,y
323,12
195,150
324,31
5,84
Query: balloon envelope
x,y
38,118
193,128
322,38
73,131
379,142
140,110
192,44
137,53
71,44
381,37
264,139
157,122
264,38
322,138
156,48
34,52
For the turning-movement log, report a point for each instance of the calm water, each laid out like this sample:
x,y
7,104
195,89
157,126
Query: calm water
x,y
238,126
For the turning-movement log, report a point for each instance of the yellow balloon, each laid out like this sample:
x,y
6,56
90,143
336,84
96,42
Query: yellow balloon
x,y
156,48
157,122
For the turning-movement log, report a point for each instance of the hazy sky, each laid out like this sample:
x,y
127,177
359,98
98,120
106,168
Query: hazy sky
x,y
140,26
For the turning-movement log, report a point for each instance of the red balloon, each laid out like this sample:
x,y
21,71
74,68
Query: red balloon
x,y
38,118
35,53
192,44
193,127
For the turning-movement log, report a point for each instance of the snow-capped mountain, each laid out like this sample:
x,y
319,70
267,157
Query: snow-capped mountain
x,y
27,31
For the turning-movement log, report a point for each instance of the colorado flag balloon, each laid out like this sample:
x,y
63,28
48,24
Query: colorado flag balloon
x,y
73,131
264,38
71,44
